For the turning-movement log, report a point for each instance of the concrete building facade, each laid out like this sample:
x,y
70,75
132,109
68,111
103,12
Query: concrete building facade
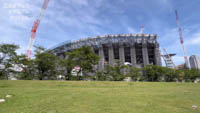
x,y
195,62
137,49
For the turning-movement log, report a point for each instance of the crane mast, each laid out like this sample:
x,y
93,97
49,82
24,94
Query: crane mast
x,y
142,29
34,29
181,39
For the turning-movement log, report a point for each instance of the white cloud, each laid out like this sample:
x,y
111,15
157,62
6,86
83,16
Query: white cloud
x,y
79,2
131,30
195,40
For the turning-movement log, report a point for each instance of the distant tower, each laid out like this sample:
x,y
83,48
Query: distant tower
x,y
195,62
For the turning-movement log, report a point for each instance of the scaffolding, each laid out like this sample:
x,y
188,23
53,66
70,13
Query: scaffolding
x,y
100,40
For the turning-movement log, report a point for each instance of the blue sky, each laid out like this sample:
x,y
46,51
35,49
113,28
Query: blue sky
x,y
74,19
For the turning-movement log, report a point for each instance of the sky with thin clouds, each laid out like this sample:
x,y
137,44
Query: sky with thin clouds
x,y
68,20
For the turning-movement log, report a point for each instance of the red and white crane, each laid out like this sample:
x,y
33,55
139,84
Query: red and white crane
x,y
34,29
181,39
142,29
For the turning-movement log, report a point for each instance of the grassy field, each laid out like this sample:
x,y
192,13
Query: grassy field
x,y
98,97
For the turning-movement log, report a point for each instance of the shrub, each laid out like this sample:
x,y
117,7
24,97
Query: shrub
x,y
153,73
134,73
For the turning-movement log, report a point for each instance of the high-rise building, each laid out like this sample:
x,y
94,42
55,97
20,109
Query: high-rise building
x,y
195,62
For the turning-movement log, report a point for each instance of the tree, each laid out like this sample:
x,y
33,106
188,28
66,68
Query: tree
x,y
45,63
68,66
169,74
134,73
28,67
195,74
153,73
83,57
118,69
100,76
179,75
7,59
191,75
113,73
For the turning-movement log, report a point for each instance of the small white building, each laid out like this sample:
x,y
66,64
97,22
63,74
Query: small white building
x,y
15,67
75,71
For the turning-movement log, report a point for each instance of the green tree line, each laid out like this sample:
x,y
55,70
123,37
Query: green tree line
x,y
47,66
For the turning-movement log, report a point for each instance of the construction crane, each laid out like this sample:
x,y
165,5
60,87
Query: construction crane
x,y
142,29
181,39
34,29
168,59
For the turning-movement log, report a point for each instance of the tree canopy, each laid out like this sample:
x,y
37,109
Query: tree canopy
x,y
7,59
83,57
46,65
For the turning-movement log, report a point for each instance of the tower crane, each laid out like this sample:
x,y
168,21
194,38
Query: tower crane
x,y
142,29
34,29
181,39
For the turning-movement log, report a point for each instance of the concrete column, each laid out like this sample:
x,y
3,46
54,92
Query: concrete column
x,y
111,55
157,55
121,54
101,61
122,57
133,55
145,54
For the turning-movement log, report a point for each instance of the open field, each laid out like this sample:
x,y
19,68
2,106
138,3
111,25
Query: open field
x,y
98,97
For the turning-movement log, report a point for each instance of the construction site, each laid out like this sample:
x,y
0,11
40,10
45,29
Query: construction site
x,y
100,56
137,50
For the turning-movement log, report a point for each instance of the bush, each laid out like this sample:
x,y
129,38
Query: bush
x,y
111,73
158,73
100,76
153,73
134,73
191,75
169,74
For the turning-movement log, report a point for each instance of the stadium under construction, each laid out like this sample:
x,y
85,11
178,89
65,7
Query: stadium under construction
x,y
137,50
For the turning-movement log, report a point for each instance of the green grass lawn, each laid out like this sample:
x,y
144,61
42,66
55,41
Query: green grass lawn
x,y
98,97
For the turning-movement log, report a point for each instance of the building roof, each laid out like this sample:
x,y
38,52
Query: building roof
x,y
105,39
